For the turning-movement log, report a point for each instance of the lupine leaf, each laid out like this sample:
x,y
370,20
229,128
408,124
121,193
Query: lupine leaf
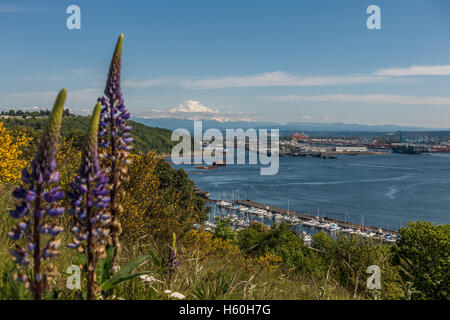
x,y
106,265
155,259
125,273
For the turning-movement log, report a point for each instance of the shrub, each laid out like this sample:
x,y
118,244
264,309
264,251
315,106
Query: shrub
x,y
347,259
224,230
160,200
424,253
11,164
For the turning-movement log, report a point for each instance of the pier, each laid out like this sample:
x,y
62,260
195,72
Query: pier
x,y
307,217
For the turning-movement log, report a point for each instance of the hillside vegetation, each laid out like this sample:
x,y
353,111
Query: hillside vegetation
x,y
134,228
258,262
145,138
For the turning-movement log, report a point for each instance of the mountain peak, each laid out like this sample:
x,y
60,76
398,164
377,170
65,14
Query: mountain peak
x,y
192,106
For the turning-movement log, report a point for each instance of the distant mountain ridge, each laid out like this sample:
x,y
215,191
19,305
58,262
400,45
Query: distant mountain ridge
x,y
175,123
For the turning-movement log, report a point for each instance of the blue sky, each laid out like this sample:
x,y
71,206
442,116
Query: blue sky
x,y
282,61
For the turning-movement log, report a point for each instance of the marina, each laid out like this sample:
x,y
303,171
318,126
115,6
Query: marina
x,y
240,211
380,192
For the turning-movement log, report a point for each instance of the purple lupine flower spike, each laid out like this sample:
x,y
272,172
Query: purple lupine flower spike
x,y
90,197
172,261
37,197
113,90
115,139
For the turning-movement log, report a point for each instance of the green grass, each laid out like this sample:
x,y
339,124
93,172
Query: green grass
x,y
333,269
211,277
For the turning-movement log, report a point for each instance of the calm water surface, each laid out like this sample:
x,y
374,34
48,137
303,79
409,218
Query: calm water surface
x,y
386,191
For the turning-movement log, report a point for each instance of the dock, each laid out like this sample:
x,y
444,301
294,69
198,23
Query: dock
x,y
306,217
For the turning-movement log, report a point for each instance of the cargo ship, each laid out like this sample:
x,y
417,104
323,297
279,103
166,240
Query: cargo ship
x,y
408,148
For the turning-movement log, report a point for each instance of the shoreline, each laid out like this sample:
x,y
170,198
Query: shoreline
x,y
302,216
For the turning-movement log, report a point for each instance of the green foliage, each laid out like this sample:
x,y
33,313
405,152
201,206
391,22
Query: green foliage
x,y
176,182
145,138
283,241
224,230
109,279
125,273
105,265
348,257
424,253
13,290
218,288
250,237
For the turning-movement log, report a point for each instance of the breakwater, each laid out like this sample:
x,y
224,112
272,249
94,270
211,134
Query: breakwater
x,y
307,217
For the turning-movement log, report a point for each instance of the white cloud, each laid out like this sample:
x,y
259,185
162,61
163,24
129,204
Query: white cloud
x,y
283,79
415,71
365,98
278,78
84,97
270,79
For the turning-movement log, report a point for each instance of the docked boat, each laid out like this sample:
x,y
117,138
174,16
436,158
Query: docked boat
x,y
224,204
333,227
327,156
243,209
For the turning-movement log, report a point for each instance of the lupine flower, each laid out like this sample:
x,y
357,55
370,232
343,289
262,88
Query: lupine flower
x,y
172,262
90,197
115,139
38,201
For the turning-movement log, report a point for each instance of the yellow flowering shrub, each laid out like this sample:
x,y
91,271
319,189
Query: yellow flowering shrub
x,y
68,161
141,201
11,164
159,200
270,261
207,245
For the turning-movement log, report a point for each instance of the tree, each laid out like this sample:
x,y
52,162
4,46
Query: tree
x,y
424,252
224,230
66,113
249,237
281,240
